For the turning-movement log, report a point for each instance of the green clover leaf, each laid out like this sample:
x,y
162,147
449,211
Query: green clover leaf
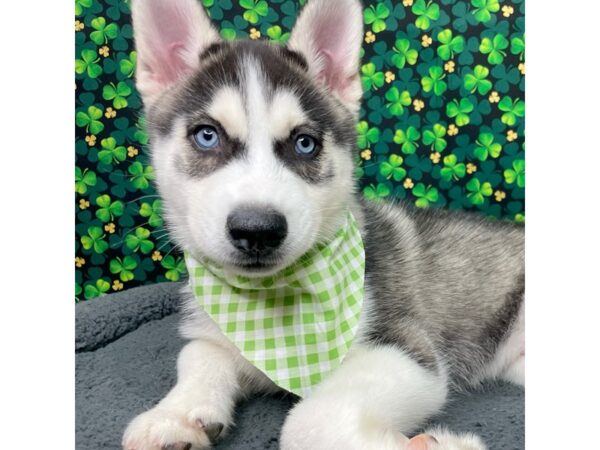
x,y
392,168
435,137
90,120
111,152
484,8
478,191
88,64
366,135
425,195
139,241
397,100
98,289
229,34
141,176
517,46
494,48
477,81
452,168
376,15
404,54
486,147
127,65
123,267
512,110
83,180
517,173
152,213
460,111
95,240
371,78
275,33
425,12
175,267
103,31
409,139
108,210
450,45
255,8
435,81
376,192
80,4
118,94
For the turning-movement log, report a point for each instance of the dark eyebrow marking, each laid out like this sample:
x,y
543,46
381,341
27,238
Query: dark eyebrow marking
x,y
295,57
212,49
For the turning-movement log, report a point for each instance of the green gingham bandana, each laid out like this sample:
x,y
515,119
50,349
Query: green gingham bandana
x,y
297,325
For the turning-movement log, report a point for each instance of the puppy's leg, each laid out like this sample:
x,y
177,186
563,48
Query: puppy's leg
x,y
375,395
200,406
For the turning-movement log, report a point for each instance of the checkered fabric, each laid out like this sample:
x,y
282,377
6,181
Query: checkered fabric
x,y
298,324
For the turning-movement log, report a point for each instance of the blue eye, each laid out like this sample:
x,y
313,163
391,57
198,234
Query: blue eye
x,y
305,144
206,137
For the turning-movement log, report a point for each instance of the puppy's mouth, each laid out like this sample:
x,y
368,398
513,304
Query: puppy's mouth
x,y
255,265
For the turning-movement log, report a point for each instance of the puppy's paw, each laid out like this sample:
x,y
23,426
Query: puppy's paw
x,y
162,428
442,439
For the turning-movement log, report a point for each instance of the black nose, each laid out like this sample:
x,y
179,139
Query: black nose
x,y
256,231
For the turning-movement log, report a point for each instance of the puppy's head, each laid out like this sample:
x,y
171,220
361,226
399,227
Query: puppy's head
x,y
252,142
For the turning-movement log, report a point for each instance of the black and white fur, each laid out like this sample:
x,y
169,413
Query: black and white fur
x,y
444,291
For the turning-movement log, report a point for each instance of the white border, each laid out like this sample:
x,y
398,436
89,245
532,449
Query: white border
x,y
36,224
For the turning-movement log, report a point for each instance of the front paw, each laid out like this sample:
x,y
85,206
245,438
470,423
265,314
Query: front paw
x,y
442,439
163,428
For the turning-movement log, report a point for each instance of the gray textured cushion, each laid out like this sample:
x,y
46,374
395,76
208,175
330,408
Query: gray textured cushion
x,y
127,345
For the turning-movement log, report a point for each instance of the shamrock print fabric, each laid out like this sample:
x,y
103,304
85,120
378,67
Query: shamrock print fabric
x,y
441,125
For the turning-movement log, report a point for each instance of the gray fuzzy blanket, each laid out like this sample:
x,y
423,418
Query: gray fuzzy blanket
x,y
127,345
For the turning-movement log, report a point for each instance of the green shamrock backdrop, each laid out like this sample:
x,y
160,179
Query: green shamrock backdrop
x,y
442,123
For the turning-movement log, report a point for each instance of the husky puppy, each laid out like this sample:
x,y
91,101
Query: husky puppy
x,y
252,126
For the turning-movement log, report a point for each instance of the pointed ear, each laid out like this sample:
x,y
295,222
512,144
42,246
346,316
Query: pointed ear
x,y
329,35
169,37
